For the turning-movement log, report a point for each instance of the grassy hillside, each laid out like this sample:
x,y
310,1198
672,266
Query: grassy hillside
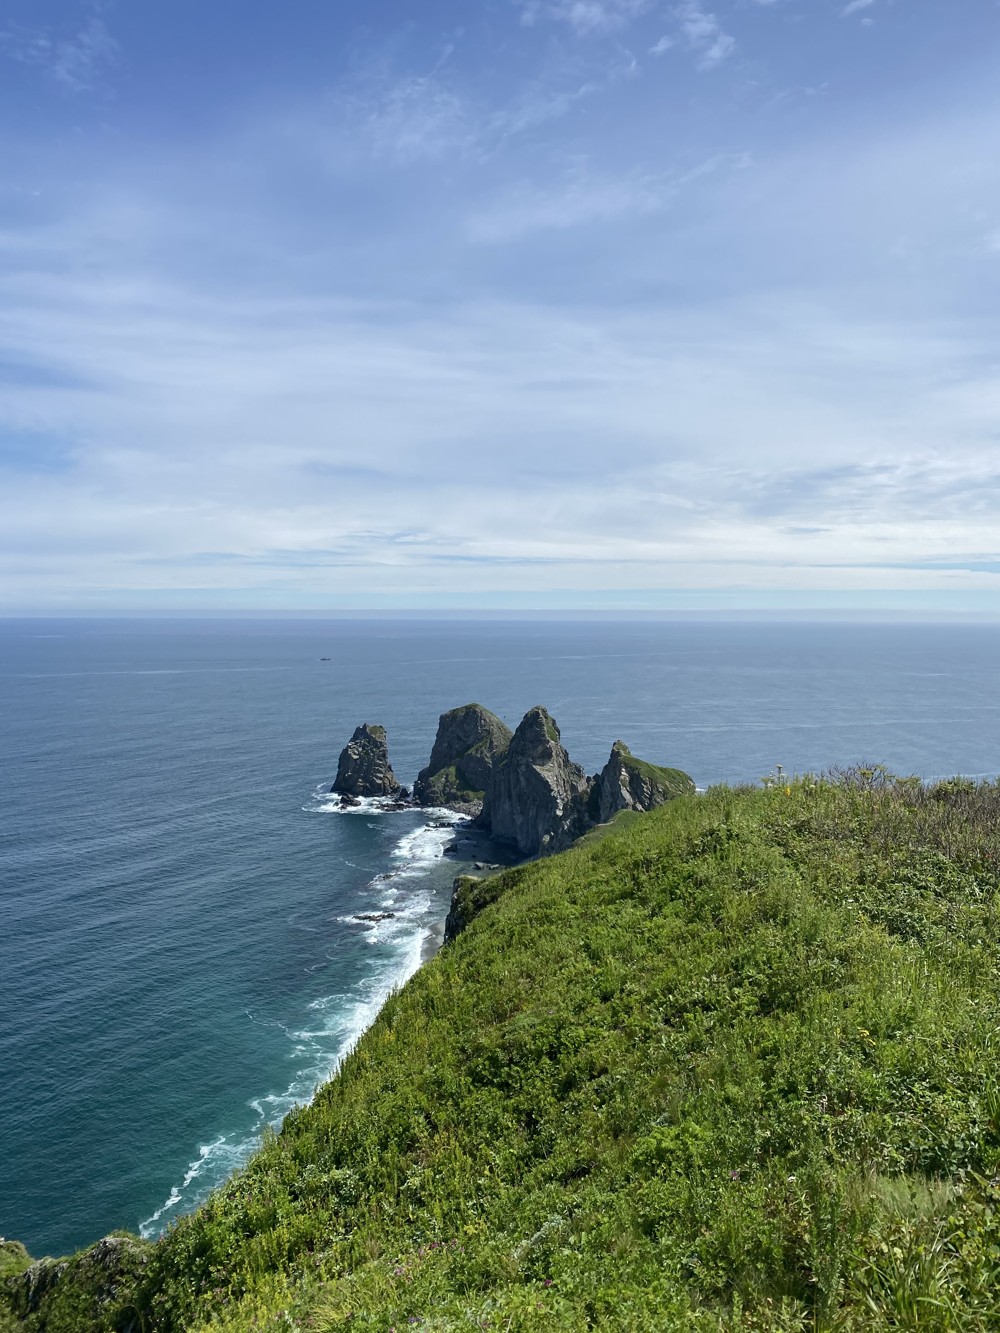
x,y
734,1066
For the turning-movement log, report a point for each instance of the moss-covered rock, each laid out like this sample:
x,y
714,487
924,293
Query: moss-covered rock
x,y
94,1289
628,783
469,741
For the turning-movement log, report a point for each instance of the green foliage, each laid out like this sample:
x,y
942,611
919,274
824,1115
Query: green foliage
x,y
447,785
14,1258
673,781
733,1066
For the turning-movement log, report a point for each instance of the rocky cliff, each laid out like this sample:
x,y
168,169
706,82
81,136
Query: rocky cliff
x,y
469,741
537,797
627,783
364,768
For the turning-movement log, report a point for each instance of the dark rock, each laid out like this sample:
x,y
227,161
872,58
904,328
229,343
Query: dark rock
x,y
627,783
364,768
486,865
451,849
469,740
537,797
375,916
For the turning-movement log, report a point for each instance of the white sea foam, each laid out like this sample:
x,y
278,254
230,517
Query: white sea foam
x,y
326,802
339,1019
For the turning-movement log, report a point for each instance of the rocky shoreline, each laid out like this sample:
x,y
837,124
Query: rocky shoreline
x,y
519,788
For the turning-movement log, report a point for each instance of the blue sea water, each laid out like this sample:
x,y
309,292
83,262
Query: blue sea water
x,y
180,961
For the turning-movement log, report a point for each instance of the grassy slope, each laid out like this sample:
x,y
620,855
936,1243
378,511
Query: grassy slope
x,y
733,1066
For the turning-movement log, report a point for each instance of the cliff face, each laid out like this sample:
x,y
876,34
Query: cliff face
x,y
468,743
627,783
364,768
536,797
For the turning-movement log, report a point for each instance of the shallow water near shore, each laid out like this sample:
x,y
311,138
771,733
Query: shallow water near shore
x,y
182,959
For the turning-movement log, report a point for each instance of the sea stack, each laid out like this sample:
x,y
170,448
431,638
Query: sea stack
x,y
468,744
627,783
537,797
364,768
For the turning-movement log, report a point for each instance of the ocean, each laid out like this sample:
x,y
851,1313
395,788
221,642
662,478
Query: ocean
x,y
181,959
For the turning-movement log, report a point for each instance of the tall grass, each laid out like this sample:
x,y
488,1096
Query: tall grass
x,y
732,1067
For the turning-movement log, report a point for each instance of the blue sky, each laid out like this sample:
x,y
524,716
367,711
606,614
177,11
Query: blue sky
x,y
523,303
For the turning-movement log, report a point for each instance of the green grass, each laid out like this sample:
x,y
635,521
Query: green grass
x,y
734,1066
674,781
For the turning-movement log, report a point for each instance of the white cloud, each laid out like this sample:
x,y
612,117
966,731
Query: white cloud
x,y
662,46
578,199
855,6
78,63
704,34
251,375
586,17
417,118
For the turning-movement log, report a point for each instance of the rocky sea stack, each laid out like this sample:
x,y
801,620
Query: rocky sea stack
x,y
522,786
364,768
627,783
468,744
537,797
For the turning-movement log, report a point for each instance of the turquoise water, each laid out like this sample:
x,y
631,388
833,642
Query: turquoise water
x,y
179,963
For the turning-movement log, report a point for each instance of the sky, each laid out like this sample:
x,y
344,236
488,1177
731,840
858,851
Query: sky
x,y
596,304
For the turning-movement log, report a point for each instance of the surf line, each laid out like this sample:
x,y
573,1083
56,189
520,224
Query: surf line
x,y
343,1017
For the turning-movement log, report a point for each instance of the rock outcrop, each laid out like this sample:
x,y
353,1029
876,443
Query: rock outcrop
x,y
94,1289
536,797
469,741
364,768
627,783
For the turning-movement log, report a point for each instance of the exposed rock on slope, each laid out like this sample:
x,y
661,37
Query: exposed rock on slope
x,y
627,783
469,741
536,797
364,768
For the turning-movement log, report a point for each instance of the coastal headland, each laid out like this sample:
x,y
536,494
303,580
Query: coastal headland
x,y
729,1063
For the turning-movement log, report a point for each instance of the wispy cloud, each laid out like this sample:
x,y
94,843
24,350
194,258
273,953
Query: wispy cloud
x,y
414,118
855,6
585,17
580,198
77,62
80,63
704,34
455,324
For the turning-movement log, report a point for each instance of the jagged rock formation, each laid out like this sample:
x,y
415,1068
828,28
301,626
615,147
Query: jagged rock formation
x,y
469,741
536,797
364,768
628,783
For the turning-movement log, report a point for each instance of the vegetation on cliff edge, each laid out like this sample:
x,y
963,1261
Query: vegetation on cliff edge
x,y
734,1066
